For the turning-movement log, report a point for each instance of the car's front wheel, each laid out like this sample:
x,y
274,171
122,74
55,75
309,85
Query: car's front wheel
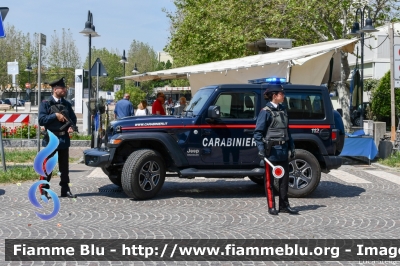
x,y
143,174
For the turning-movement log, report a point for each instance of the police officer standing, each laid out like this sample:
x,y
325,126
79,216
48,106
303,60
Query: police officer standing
x,y
53,120
274,142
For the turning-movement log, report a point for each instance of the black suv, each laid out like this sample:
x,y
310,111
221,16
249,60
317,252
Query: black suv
x,y
355,116
214,138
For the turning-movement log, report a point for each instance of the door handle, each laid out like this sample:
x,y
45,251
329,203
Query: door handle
x,y
206,132
249,131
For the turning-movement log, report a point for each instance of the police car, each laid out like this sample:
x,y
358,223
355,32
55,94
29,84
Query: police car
x,y
213,137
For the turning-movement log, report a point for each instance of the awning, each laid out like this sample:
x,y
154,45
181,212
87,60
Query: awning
x,y
167,88
301,65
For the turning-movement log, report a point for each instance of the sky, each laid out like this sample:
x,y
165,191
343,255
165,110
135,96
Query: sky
x,y
118,22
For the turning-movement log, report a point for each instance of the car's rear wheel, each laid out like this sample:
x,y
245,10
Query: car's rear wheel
x,y
357,121
304,174
143,174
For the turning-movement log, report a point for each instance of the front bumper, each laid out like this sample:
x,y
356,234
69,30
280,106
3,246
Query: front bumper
x,y
97,157
332,162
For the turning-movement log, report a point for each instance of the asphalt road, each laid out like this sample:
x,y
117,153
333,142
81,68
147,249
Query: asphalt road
x,y
354,202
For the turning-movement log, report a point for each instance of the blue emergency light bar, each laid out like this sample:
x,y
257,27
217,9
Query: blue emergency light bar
x,y
271,80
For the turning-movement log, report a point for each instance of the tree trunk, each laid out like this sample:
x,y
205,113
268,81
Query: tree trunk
x,y
344,92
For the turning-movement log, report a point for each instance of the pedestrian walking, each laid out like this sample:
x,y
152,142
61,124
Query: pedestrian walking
x,y
142,109
157,107
124,107
181,106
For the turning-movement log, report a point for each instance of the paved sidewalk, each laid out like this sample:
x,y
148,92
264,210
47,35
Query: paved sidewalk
x,y
77,152
342,207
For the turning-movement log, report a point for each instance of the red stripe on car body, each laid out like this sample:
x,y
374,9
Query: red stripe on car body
x,y
219,126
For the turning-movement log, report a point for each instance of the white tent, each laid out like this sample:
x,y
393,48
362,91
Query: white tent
x,y
301,65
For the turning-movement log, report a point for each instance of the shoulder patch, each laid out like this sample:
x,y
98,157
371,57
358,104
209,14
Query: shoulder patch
x,y
266,108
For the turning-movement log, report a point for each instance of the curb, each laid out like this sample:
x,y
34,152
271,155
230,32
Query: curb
x,y
80,160
385,167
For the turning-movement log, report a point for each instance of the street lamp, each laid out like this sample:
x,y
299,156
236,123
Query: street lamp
x,y
29,70
123,61
135,71
90,32
366,26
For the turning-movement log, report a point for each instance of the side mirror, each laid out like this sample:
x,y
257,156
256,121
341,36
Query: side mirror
x,y
214,112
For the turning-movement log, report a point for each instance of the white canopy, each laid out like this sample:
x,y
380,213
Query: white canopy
x,y
307,64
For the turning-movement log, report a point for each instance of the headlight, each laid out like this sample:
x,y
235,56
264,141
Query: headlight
x,y
115,141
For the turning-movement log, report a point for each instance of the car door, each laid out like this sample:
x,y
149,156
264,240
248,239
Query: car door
x,y
229,141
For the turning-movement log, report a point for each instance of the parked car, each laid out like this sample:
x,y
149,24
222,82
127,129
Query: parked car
x,y
355,115
215,139
6,101
72,102
14,102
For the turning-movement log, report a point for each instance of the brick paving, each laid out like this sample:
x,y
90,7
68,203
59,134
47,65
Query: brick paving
x,y
206,209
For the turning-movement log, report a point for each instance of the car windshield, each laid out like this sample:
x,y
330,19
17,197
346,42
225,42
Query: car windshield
x,y
198,101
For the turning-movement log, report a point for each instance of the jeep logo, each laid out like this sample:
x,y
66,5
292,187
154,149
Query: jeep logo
x,y
191,151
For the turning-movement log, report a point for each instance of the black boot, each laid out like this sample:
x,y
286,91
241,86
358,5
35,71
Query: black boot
x,y
43,192
272,211
289,210
66,193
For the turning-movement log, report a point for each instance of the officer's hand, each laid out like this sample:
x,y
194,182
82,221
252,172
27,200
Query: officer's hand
x,y
60,117
70,130
292,153
261,154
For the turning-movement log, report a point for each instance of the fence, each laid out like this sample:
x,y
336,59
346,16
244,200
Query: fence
x,y
16,125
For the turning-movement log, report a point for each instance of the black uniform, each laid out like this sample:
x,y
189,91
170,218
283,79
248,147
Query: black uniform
x,y
273,121
48,119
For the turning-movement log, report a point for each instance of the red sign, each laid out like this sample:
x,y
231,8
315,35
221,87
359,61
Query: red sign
x,y
27,85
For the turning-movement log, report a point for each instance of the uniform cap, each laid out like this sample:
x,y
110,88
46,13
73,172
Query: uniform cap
x,y
274,88
58,83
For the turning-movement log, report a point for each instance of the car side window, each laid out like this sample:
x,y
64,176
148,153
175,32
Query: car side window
x,y
236,105
305,105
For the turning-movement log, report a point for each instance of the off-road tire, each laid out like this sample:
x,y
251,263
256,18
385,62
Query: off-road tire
x,y
304,174
115,181
357,122
143,174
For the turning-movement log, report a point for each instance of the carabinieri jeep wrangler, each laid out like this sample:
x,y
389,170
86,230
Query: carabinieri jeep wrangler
x,y
213,138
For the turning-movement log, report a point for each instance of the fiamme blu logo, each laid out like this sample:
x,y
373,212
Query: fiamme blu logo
x,y
43,166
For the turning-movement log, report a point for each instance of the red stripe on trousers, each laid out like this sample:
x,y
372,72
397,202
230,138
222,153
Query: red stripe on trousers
x,y
268,186
42,177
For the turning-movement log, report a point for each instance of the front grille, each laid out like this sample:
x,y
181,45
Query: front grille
x,y
89,160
